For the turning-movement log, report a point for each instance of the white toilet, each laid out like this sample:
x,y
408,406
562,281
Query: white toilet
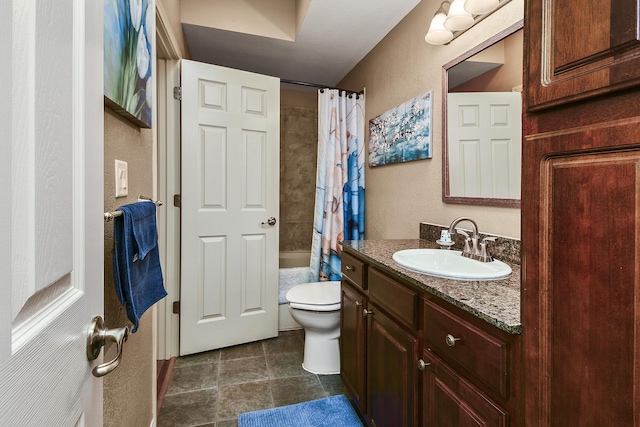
x,y
316,307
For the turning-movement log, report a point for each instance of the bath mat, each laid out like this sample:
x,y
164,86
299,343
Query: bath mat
x,y
334,411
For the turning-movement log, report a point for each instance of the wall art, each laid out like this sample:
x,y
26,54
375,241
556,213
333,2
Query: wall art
x,y
402,134
128,80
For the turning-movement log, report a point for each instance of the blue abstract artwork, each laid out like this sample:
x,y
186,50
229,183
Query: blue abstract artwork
x,y
402,134
128,83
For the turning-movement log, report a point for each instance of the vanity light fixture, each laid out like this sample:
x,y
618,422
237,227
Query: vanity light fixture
x,y
458,18
454,17
480,7
438,33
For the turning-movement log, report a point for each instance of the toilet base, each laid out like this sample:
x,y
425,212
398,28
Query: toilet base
x,y
321,354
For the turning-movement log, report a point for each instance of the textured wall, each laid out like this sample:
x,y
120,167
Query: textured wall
x,y
298,154
127,390
399,68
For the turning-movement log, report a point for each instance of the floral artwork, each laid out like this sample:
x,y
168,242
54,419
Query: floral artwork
x,y
128,81
403,133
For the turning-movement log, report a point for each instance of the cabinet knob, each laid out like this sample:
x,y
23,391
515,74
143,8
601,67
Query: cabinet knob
x,y
366,312
422,365
451,340
350,268
358,304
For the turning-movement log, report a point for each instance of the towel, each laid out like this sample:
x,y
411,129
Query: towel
x,y
136,261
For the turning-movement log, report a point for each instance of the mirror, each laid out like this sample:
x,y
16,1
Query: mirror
x,y
482,123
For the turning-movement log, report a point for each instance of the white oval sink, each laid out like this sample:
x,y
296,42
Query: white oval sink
x,y
450,264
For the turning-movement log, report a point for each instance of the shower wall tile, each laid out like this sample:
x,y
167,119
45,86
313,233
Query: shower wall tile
x,y
296,236
298,154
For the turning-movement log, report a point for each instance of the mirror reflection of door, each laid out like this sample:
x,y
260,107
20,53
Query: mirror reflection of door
x,y
483,124
485,153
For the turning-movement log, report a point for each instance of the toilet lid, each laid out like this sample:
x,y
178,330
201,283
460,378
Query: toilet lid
x,y
315,294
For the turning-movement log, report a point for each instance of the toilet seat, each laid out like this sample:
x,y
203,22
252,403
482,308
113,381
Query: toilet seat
x,y
316,296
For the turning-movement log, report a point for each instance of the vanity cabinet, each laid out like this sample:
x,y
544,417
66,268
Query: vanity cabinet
x,y
392,353
580,222
410,359
353,337
467,379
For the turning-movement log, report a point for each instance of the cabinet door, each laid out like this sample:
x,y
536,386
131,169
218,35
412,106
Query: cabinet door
x,y
579,49
392,360
450,401
352,343
582,294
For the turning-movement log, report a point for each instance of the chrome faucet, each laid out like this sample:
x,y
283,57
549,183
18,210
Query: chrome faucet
x,y
472,247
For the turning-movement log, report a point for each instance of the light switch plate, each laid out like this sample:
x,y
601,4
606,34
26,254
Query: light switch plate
x,y
122,179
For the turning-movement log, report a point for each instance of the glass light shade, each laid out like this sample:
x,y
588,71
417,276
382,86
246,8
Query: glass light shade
x,y
458,19
437,33
480,7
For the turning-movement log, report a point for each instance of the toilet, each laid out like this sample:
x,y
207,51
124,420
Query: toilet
x,y
316,307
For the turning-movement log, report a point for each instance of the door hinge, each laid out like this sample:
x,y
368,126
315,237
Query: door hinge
x,y
177,93
177,200
176,307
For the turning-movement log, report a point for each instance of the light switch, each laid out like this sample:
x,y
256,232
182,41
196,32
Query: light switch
x,y
122,179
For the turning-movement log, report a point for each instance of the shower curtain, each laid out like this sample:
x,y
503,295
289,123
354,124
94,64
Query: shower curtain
x,y
339,207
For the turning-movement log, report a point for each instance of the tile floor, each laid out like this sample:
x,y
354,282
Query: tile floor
x,y
210,389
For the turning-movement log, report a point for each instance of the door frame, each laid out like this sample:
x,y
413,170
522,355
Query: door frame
x,y
168,182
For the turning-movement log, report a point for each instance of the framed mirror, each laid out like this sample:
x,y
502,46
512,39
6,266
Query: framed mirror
x,y
482,123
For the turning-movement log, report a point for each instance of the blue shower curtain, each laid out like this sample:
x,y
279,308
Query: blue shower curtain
x,y
339,207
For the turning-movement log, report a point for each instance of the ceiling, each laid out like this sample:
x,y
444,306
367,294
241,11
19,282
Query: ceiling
x,y
334,36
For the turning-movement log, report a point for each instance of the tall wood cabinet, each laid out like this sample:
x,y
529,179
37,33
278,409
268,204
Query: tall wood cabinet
x,y
581,213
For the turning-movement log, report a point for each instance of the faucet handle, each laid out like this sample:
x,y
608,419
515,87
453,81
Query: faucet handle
x,y
467,241
484,251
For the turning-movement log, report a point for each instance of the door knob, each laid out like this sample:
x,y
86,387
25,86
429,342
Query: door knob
x,y
97,337
270,221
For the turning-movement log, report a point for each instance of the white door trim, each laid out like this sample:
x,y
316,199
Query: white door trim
x,y
169,219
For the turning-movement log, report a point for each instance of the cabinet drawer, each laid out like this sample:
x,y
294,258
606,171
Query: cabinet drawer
x,y
354,269
399,300
482,354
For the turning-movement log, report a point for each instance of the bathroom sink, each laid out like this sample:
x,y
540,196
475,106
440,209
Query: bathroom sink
x,y
450,264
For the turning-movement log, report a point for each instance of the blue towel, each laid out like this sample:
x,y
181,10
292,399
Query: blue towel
x,y
136,261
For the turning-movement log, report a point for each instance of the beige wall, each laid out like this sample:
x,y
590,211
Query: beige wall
x,y
128,396
298,155
401,66
170,10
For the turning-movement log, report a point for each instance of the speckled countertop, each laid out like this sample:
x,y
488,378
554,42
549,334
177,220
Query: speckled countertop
x,y
496,301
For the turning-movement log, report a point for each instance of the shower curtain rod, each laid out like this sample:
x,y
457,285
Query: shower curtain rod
x,y
293,82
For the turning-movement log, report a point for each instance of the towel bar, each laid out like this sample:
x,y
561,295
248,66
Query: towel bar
x,y
108,216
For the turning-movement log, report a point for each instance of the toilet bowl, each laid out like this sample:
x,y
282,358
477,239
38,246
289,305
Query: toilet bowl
x,y
316,307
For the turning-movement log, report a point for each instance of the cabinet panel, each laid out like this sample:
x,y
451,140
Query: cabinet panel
x,y
355,270
579,49
483,355
582,278
450,401
391,366
399,300
352,343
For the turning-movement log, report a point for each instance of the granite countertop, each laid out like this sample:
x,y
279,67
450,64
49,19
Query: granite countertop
x,y
496,302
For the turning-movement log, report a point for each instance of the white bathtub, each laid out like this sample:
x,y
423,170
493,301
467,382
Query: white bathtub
x,y
292,259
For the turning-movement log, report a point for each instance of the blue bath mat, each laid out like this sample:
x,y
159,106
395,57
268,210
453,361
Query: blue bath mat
x,y
334,411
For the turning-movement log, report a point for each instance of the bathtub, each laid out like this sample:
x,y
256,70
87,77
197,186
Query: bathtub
x,y
290,262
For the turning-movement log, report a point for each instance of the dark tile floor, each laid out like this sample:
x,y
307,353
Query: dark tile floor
x,y
211,389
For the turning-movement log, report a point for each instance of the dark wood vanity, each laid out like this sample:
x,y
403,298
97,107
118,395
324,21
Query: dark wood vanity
x,y
580,213
413,353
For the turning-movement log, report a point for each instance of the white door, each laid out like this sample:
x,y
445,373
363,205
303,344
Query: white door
x,y
484,138
230,189
51,233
